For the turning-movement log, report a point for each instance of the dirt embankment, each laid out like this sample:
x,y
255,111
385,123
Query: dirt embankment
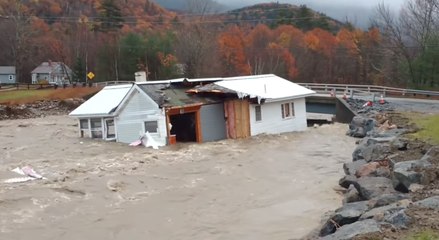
x,y
39,109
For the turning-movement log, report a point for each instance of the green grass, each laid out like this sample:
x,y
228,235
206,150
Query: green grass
x,y
424,235
429,128
20,95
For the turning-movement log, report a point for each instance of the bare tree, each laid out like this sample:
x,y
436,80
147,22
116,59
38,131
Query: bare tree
x,y
196,38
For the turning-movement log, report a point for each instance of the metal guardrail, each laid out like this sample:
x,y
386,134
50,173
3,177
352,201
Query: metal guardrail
x,y
370,89
103,84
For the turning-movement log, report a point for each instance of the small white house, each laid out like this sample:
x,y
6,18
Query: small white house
x,y
96,116
196,110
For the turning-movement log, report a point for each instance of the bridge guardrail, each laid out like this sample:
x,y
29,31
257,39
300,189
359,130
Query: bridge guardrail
x,y
371,89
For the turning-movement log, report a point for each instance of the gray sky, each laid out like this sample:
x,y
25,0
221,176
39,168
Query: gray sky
x,y
357,11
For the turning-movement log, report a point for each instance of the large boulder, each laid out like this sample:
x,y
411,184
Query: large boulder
x,y
359,126
386,199
398,219
431,202
374,169
352,167
408,173
355,229
371,149
369,187
347,214
380,212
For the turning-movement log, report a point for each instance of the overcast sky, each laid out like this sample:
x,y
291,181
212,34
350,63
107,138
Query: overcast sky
x,y
357,11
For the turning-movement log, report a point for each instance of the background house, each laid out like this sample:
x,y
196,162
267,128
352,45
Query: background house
x,y
7,74
52,73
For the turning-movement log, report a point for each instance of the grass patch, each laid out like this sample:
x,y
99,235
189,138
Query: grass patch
x,y
15,97
429,127
424,235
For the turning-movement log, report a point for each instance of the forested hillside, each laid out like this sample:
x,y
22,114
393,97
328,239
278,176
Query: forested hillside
x,y
115,38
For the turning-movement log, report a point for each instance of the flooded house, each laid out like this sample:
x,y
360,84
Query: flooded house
x,y
195,110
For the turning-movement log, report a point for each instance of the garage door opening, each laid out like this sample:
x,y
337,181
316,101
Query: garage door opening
x,y
183,127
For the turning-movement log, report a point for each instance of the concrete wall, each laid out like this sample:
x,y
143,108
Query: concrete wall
x,y
130,121
343,112
272,121
213,124
4,78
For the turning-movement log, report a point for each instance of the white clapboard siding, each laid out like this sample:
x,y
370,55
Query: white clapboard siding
x,y
138,109
272,121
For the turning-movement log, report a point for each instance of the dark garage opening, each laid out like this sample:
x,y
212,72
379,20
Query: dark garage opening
x,y
183,127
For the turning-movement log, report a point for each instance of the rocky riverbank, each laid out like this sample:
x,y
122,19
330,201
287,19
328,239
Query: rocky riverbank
x,y
391,187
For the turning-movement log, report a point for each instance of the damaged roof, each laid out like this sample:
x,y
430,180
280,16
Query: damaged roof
x,y
270,87
173,95
103,103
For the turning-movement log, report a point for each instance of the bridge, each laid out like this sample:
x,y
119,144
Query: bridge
x,y
328,105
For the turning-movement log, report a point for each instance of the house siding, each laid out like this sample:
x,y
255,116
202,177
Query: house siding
x,y
139,108
272,121
213,124
4,78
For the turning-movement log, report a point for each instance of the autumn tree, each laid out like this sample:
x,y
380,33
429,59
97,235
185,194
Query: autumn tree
x,y
232,52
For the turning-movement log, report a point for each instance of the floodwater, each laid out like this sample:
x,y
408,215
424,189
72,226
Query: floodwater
x,y
267,187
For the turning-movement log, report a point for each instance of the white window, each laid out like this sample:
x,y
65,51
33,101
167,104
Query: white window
x,y
110,129
96,127
151,126
11,77
258,113
83,125
287,110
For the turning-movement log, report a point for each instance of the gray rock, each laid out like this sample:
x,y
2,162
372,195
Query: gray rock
x,y
407,173
379,212
347,180
370,187
359,126
389,133
386,199
352,167
370,150
399,144
355,229
431,202
347,214
351,195
431,153
398,219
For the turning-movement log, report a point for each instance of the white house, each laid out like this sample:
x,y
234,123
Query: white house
x,y
96,115
52,73
196,110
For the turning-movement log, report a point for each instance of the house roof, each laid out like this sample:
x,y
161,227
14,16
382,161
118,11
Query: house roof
x,y
104,102
270,87
47,67
7,70
171,95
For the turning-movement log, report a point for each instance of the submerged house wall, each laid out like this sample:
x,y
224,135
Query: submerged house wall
x,y
213,123
138,115
272,121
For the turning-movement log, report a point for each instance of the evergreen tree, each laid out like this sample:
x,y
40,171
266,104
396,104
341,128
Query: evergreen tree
x,y
110,17
79,70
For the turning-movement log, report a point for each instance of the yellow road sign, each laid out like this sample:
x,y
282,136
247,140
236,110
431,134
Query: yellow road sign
x,y
90,75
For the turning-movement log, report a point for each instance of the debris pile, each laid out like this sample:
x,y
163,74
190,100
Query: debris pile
x,y
369,107
39,109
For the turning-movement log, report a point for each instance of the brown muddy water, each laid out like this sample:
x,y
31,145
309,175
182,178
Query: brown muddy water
x,y
266,187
